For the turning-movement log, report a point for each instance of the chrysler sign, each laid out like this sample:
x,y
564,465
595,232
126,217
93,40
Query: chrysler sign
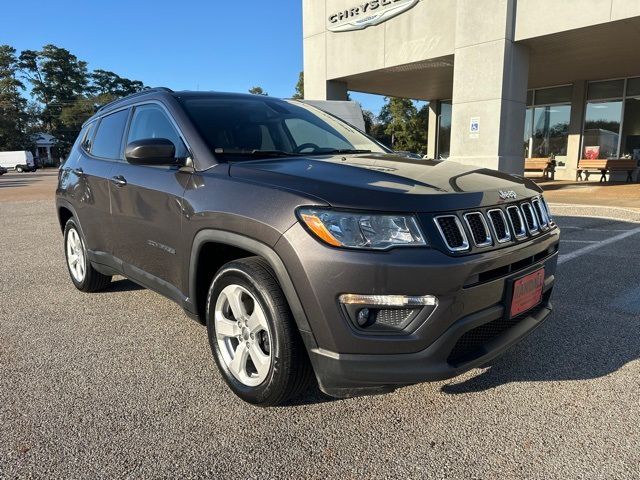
x,y
367,14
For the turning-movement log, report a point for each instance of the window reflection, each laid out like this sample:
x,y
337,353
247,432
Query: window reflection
x,y
602,129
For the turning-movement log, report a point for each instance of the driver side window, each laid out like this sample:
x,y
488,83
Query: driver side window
x,y
150,121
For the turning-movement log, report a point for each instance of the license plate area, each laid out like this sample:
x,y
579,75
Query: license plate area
x,y
524,293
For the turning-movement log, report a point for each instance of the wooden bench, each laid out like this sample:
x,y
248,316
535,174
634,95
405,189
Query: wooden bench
x,y
544,165
606,166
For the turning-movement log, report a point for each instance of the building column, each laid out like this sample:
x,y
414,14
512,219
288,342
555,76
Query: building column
x,y
489,87
432,133
574,141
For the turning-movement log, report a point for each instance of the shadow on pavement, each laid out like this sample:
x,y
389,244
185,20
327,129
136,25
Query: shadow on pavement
x,y
593,331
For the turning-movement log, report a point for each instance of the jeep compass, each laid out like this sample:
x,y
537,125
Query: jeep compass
x,y
306,247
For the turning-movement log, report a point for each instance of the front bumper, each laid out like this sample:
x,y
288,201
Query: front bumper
x,y
471,292
470,342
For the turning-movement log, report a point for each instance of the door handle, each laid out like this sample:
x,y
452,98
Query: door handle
x,y
78,171
119,181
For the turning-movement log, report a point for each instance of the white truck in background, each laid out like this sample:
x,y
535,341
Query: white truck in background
x,y
20,161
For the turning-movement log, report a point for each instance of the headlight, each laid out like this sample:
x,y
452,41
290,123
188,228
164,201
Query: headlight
x,y
363,230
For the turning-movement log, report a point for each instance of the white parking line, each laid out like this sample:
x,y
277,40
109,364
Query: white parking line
x,y
590,248
565,227
580,241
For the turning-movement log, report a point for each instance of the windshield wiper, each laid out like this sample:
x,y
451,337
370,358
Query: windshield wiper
x,y
254,153
337,151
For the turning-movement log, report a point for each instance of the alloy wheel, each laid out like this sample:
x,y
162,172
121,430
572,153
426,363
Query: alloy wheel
x,y
75,255
243,335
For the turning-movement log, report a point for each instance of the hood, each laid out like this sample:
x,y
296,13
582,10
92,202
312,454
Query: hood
x,y
386,182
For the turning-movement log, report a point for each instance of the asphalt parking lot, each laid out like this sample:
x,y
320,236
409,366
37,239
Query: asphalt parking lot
x,y
122,383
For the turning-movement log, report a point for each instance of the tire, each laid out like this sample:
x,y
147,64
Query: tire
x,y
19,169
83,275
265,329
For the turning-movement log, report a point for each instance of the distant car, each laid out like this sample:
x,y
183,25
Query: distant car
x,y
3,170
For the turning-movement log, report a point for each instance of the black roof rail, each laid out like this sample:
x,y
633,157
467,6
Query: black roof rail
x,y
141,92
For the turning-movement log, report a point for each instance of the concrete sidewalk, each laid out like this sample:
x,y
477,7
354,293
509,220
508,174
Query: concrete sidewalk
x,y
622,195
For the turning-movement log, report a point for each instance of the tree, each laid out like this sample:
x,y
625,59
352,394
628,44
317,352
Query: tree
x,y
258,91
406,126
104,82
299,94
58,80
13,119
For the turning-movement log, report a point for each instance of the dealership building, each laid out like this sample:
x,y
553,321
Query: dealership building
x,y
506,79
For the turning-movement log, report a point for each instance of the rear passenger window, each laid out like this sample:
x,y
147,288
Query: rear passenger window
x,y
150,121
108,140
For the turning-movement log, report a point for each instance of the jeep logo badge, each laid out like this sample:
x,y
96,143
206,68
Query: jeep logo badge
x,y
507,195
366,14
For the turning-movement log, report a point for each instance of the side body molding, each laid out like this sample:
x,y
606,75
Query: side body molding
x,y
266,252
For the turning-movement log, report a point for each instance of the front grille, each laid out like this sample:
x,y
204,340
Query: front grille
x,y
452,232
517,222
465,232
472,344
530,218
499,224
478,228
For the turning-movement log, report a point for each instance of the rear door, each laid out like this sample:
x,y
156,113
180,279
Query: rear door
x,y
147,207
89,175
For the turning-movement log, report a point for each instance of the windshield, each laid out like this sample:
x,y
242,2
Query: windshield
x,y
246,127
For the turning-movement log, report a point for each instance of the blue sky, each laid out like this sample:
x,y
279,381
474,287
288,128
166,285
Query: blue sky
x,y
188,45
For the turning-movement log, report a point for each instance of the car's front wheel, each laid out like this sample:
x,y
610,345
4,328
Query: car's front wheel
x,y
253,336
83,275
19,169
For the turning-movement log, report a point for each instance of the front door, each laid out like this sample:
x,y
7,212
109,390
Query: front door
x,y
146,204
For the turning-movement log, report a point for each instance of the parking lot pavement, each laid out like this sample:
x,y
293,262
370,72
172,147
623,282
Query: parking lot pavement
x,y
122,384
28,186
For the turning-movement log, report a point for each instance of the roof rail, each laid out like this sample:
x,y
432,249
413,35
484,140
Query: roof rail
x,y
141,92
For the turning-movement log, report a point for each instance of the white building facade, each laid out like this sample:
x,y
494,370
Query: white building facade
x,y
506,79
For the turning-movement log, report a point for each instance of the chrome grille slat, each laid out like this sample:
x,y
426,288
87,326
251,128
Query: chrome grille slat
x,y
538,209
452,232
499,224
517,221
479,229
531,219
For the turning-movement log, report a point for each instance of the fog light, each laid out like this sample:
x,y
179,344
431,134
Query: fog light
x,y
363,317
387,313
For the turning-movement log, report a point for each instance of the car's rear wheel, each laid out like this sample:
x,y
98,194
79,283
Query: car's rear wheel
x,y
19,169
253,336
82,273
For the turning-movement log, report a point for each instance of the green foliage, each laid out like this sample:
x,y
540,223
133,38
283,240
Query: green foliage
x,y
299,94
258,91
13,117
66,94
405,124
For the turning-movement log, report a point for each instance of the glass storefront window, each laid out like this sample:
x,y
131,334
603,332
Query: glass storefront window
x,y
602,129
550,131
606,90
528,126
547,96
444,130
547,122
630,145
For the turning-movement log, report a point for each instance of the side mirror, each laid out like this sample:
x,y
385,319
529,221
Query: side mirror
x,y
151,151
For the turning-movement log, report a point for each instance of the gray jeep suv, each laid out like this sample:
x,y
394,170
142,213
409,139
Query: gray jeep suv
x,y
304,245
